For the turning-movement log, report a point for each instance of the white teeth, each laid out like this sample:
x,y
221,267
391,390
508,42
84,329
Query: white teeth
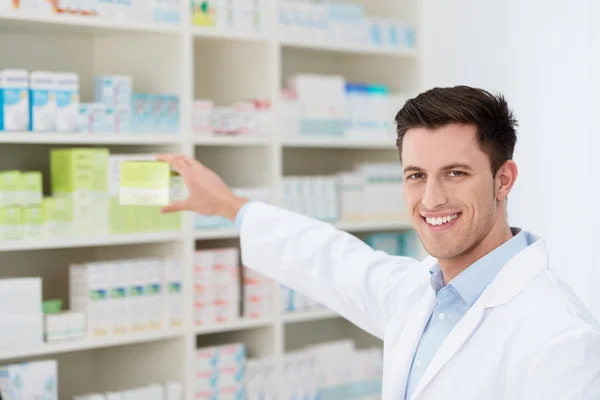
x,y
441,220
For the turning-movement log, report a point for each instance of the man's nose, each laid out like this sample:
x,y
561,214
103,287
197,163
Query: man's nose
x,y
434,195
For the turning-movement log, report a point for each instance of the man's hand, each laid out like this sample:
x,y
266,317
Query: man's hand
x,y
208,194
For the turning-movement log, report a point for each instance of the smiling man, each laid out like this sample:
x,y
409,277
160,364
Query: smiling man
x,y
484,317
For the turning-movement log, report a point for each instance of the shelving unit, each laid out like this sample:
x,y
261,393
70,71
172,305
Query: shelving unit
x,y
193,63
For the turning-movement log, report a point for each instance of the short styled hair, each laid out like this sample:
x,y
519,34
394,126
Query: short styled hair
x,y
466,105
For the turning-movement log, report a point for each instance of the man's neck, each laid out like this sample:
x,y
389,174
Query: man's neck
x,y
451,268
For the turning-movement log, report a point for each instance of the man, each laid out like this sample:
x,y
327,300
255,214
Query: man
x,y
484,317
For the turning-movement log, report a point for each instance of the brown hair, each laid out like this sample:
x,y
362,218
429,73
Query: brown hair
x,y
439,107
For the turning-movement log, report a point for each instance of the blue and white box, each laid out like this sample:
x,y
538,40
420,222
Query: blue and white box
x,y
67,101
140,112
122,119
172,114
157,113
43,102
14,100
113,90
31,380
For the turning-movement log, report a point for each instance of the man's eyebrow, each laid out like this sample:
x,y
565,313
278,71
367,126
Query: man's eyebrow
x,y
412,168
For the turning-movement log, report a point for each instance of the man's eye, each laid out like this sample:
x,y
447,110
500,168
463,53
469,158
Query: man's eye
x,y
418,175
456,173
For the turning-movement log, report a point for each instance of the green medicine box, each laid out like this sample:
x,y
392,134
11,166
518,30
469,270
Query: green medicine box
x,y
9,188
30,189
57,216
10,223
145,183
78,170
31,221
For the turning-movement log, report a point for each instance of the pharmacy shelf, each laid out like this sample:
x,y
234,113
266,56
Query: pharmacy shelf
x,y
212,33
338,143
307,316
210,234
371,226
77,242
89,344
78,138
239,325
77,25
242,141
349,48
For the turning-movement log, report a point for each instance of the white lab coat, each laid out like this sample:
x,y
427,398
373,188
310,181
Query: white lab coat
x,y
527,336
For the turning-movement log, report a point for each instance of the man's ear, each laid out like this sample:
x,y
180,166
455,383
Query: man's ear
x,y
505,179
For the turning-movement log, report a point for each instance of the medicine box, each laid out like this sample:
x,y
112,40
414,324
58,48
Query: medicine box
x,y
14,100
57,216
9,188
42,88
138,307
31,222
88,286
173,283
144,183
140,112
67,101
31,380
30,189
113,90
119,298
10,223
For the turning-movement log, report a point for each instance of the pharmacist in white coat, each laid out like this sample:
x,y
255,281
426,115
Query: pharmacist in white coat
x,y
484,317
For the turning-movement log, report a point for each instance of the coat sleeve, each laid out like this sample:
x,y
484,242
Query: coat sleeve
x,y
330,266
567,369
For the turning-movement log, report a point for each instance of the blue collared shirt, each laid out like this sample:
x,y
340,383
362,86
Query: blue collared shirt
x,y
455,299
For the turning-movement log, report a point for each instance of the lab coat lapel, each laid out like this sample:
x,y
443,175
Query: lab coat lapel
x,y
509,282
457,337
407,346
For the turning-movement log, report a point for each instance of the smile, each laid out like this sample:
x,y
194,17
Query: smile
x,y
435,221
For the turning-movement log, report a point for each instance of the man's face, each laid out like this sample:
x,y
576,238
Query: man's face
x,y
448,188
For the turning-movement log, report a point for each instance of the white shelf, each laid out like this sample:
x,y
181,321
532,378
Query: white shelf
x,y
307,316
89,344
76,242
369,226
77,24
213,33
240,325
78,138
339,143
209,234
242,141
349,48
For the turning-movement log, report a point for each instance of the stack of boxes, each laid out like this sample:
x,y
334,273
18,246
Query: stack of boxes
x,y
80,176
342,22
128,296
260,379
21,315
113,101
258,295
220,372
40,101
396,243
20,204
230,15
241,118
31,380
168,12
314,196
169,391
216,286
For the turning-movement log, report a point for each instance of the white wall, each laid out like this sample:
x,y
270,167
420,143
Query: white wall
x,y
542,56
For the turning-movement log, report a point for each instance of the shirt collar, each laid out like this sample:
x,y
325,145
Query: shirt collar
x,y
472,281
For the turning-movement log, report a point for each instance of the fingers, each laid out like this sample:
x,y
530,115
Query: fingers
x,y
176,206
178,161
